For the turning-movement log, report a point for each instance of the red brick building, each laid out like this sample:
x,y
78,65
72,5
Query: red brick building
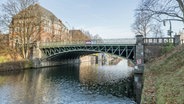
x,y
78,35
36,23
4,39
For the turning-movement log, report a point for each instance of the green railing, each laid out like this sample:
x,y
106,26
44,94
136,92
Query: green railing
x,y
128,41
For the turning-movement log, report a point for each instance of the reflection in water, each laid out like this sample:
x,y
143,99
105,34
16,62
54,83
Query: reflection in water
x,y
104,74
69,84
106,79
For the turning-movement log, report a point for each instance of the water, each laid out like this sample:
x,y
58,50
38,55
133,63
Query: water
x,y
69,84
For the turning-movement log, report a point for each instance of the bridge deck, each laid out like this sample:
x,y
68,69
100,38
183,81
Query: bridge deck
x,y
102,42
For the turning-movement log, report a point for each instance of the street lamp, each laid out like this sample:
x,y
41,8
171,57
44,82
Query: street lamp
x,y
70,29
68,25
170,28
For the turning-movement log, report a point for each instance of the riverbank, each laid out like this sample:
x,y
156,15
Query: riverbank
x,y
164,79
15,66
86,83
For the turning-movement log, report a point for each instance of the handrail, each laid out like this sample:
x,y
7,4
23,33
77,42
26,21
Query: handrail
x,y
162,40
89,42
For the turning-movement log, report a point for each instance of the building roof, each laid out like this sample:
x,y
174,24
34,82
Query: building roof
x,y
37,10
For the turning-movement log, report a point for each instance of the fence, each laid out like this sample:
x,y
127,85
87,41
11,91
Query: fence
x,y
159,40
90,42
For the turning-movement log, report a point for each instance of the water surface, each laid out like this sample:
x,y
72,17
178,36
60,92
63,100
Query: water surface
x,y
83,83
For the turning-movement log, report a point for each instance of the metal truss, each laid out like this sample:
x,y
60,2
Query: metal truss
x,y
125,51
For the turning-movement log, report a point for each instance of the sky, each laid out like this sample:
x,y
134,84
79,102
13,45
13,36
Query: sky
x,y
107,18
111,19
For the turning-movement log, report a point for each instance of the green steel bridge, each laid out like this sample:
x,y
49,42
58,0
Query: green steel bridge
x,y
129,48
71,50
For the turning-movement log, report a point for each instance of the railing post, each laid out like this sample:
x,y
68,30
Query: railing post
x,y
176,40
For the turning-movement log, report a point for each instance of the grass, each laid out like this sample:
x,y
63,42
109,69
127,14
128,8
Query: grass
x,y
3,59
7,63
164,79
170,88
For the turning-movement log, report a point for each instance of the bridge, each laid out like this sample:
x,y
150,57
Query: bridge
x,y
72,50
129,48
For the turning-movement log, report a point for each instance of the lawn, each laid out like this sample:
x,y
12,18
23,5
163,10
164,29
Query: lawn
x,y
164,79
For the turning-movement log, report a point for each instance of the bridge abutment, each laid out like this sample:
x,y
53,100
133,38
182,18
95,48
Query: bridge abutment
x,y
37,55
37,52
139,68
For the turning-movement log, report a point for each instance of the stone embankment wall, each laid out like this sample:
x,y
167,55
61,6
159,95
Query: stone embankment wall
x,y
152,52
15,66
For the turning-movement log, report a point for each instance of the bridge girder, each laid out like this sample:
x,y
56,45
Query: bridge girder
x,y
72,52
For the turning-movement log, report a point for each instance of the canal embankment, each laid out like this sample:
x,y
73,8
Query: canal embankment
x,y
15,66
32,64
13,63
164,79
18,65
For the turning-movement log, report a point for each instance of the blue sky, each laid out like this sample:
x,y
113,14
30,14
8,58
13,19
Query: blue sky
x,y
108,18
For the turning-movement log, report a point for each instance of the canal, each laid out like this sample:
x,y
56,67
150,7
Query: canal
x,y
84,83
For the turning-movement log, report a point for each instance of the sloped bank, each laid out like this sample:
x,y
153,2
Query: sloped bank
x,y
164,79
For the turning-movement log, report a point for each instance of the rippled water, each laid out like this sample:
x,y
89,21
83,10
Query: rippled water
x,y
68,84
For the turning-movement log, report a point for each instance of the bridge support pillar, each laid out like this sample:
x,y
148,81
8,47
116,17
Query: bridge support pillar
x,y
37,55
139,68
139,54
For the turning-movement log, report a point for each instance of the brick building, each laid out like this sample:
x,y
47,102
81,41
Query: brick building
x,y
4,39
36,23
78,35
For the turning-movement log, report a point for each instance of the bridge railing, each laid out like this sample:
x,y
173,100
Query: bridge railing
x,y
114,41
55,44
162,40
90,42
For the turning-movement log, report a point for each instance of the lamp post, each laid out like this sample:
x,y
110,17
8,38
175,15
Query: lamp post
x,y
170,28
70,29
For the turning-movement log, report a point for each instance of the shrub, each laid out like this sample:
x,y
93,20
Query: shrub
x,y
167,48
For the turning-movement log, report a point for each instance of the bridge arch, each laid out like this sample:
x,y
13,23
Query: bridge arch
x,y
71,52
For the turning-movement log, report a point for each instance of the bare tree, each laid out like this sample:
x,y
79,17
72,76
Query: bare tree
x,y
25,28
164,9
96,37
5,49
156,30
10,8
146,21
21,17
87,33
142,24
79,35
